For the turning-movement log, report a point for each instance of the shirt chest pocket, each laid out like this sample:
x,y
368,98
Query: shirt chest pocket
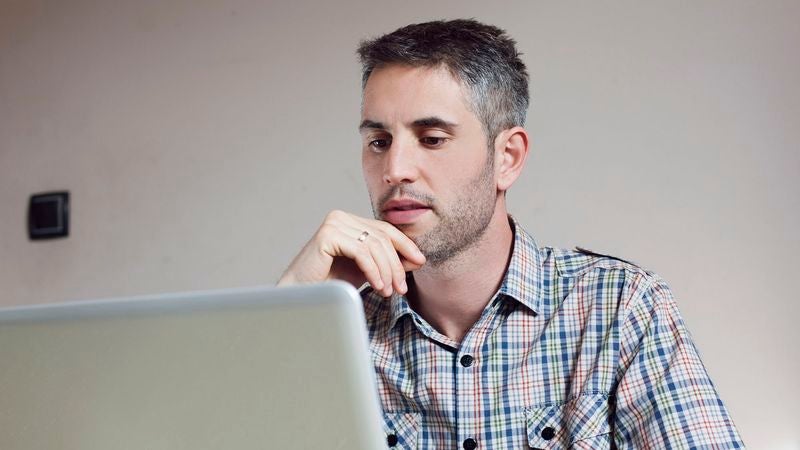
x,y
581,423
401,430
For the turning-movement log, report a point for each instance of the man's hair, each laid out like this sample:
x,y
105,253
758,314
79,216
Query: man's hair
x,y
482,57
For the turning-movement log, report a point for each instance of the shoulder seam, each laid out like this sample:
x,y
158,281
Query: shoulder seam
x,y
594,261
586,251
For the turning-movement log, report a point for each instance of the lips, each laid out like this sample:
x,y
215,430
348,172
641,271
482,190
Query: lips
x,y
404,211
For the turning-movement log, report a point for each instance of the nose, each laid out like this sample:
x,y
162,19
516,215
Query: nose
x,y
400,165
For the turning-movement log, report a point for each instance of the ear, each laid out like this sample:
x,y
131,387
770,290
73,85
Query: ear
x,y
511,151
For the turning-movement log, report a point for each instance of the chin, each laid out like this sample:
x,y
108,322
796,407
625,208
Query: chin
x,y
409,229
416,228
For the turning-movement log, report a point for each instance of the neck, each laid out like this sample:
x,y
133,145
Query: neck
x,y
451,296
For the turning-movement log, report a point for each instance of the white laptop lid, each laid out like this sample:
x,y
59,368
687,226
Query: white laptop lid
x,y
253,368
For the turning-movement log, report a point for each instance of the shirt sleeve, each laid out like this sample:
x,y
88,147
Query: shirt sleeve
x,y
665,398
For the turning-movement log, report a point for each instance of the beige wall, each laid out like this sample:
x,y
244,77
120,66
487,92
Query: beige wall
x,y
203,142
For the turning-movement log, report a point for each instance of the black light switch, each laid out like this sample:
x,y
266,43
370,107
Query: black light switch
x,y
48,215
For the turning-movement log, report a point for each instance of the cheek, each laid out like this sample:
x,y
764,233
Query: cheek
x,y
370,169
454,172
470,179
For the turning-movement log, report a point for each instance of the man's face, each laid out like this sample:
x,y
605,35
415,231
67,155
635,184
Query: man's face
x,y
425,159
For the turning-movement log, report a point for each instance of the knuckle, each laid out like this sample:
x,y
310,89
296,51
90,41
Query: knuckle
x,y
372,271
383,235
386,227
325,231
334,215
363,252
375,243
384,240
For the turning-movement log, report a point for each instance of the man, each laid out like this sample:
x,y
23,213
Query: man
x,y
480,339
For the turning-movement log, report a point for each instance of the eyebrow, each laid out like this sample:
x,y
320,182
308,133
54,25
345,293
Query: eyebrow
x,y
433,122
371,125
425,122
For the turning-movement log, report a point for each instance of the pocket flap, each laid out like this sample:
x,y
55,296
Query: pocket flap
x,y
401,429
561,425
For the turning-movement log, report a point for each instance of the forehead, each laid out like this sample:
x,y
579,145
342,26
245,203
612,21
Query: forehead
x,y
404,93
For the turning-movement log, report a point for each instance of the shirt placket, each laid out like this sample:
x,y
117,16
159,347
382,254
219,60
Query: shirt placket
x,y
470,399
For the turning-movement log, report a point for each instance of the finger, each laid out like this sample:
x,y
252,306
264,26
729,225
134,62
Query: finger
x,y
377,237
376,244
382,260
402,243
409,266
398,271
350,247
381,251
411,258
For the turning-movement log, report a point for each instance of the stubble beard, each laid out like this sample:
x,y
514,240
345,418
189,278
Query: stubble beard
x,y
462,223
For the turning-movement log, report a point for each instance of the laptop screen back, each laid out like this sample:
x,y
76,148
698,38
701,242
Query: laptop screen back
x,y
253,368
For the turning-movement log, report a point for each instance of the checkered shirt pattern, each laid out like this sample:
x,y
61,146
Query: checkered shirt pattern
x,y
575,350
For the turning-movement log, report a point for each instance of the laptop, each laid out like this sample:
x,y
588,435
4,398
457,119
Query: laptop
x,y
254,368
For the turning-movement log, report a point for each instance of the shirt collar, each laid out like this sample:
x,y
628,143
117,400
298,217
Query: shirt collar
x,y
522,280
399,308
525,275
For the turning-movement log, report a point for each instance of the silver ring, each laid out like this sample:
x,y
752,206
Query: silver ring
x,y
363,236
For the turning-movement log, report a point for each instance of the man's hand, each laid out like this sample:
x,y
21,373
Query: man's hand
x,y
338,250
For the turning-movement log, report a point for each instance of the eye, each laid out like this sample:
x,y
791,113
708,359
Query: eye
x,y
379,144
433,141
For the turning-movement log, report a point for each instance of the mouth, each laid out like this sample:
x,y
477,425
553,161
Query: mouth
x,y
404,211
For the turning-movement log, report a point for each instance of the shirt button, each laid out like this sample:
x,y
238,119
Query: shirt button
x,y
548,433
470,444
467,360
391,440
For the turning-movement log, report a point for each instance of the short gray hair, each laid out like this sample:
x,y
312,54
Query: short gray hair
x,y
482,57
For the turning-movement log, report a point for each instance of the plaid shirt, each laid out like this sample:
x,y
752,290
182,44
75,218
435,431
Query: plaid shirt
x,y
575,349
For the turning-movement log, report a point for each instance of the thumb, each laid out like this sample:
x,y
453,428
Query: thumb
x,y
410,266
